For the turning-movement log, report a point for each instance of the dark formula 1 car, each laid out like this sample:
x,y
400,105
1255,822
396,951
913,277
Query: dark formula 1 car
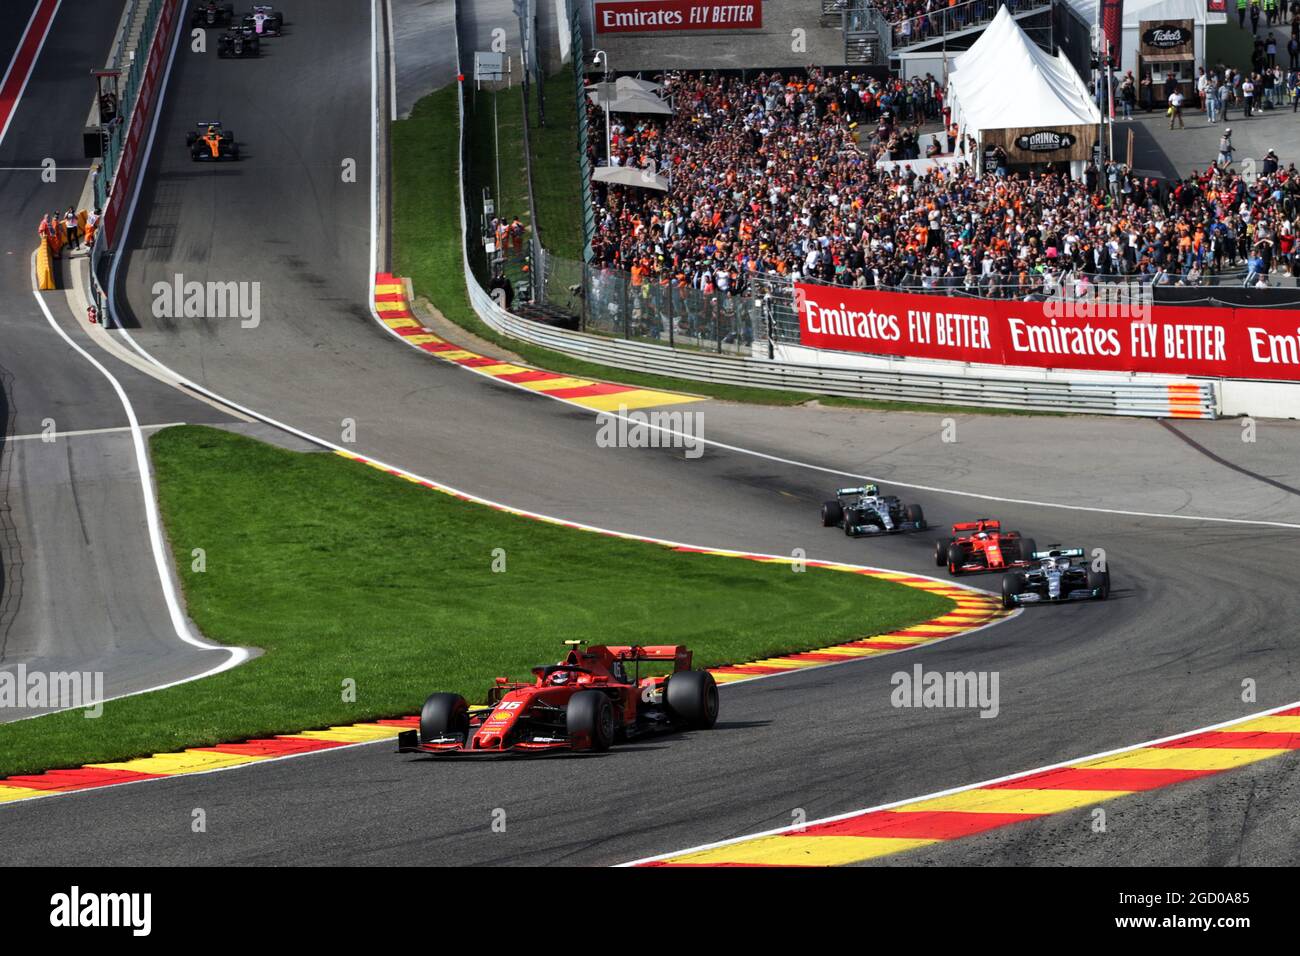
x,y
1055,578
212,14
238,43
264,21
588,701
982,545
213,145
866,511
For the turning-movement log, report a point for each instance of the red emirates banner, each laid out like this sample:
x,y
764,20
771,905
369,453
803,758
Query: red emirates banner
x,y
655,16
1112,28
1056,334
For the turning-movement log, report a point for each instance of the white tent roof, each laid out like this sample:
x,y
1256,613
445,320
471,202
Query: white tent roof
x,y
1004,80
1135,11
630,176
628,84
633,101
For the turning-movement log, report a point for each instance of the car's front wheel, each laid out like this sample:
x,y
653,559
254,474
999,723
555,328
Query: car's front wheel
x,y
444,715
955,559
1099,581
1012,584
589,720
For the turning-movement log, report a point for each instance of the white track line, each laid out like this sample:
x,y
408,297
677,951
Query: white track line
x,y
977,786
36,58
236,655
84,432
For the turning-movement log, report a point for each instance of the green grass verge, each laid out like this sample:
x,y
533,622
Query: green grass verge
x,y
338,571
557,186
427,249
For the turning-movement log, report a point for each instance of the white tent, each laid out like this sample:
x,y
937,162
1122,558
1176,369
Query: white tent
x,y
630,176
1137,12
628,84
632,100
1005,81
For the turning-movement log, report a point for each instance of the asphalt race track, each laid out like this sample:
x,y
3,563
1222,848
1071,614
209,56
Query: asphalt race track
x,y
1198,605
80,586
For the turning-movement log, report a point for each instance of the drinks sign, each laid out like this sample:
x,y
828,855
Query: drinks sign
x,y
1045,141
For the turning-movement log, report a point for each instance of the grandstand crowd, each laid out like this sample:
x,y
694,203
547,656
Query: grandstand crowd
x,y
782,175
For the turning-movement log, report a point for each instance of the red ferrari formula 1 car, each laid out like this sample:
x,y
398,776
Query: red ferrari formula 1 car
x,y
586,702
982,545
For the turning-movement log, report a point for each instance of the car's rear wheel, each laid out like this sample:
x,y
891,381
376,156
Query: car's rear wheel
x,y
832,514
916,515
444,715
692,696
1099,581
589,720
955,559
1012,584
1027,548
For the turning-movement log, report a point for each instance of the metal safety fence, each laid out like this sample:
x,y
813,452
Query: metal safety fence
x,y
128,91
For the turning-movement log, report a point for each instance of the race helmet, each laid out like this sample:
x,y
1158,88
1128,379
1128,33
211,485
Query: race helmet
x,y
558,677
872,491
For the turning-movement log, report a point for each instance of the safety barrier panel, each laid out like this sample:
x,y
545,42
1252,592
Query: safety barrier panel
x,y
45,267
1151,397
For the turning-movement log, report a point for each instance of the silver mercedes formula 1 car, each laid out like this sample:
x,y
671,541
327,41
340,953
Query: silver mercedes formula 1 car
x,y
865,510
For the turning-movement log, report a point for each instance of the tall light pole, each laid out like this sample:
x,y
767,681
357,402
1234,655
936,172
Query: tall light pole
x,y
600,57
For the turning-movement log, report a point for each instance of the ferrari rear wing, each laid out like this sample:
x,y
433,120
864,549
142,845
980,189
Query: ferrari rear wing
x,y
979,524
679,654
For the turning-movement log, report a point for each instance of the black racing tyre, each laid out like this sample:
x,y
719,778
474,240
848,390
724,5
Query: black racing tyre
x,y
850,518
228,136
941,553
955,559
443,715
191,138
692,696
590,720
1100,581
1011,585
1027,548
832,514
915,514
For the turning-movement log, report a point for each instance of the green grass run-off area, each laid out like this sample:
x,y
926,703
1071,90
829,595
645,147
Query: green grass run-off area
x,y
340,572
427,240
